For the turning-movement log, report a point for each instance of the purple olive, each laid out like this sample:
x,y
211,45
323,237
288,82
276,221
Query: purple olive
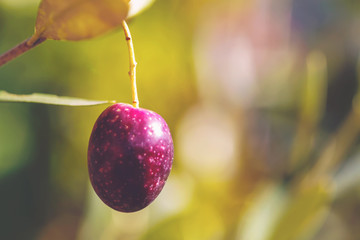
x,y
129,157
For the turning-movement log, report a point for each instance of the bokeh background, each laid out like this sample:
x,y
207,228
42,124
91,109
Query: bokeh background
x,y
261,98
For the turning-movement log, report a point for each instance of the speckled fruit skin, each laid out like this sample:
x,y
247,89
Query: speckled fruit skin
x,y
129,157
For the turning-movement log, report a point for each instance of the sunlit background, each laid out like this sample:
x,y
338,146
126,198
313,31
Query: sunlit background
x,y
261,100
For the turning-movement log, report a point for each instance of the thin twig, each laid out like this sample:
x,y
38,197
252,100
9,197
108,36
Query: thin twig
x,y
132,72
18,50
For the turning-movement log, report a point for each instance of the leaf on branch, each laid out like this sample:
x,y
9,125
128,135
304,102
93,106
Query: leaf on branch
x,y
137,6
49,99
78,19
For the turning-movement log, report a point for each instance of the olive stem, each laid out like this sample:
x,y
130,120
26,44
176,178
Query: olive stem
x,y
19,49
132,72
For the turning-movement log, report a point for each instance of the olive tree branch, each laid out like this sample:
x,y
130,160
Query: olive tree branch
x,y
19,49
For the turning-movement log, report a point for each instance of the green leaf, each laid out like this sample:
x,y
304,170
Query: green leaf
x,y
137,6
49,99
78,19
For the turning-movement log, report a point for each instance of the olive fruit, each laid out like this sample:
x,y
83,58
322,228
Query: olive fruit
x,y
130,156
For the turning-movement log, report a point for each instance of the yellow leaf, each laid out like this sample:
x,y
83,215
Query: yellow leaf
x,y
78,19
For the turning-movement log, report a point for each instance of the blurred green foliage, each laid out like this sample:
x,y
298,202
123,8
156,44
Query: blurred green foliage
x,y
259,98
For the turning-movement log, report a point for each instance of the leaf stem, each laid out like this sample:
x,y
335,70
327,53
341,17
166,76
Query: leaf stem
x,y
132,61
19,49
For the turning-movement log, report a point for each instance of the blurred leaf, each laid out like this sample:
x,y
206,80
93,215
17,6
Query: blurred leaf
x,y
201,221
301,217
170,228
314,94
312,107
97,218
137,6
280,213
267,205
339,144
347,178
16,138
49,99
78,19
